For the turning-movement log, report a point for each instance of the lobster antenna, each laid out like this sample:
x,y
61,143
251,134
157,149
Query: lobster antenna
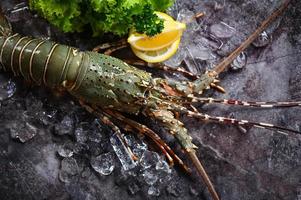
x,y
226,120
228,60
258,104
197,163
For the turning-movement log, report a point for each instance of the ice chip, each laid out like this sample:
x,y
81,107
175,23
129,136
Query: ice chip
x,y
149,159
80,135
7,88
240,62
47,117
153,191
150,176
65,126
222,30
103,164
162,165
176,59
123,153
66,150
136,145
262,40
94,134
69,169
187,16
23,131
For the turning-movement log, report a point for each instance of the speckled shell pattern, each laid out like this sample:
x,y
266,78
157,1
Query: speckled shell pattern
x,y
111,83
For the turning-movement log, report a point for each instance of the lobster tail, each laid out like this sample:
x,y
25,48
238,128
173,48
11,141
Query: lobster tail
x,y
5,26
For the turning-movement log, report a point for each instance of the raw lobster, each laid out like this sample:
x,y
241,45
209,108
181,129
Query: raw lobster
x,y
104,83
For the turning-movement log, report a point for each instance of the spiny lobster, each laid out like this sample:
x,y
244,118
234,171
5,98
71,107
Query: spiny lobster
x,y
107,87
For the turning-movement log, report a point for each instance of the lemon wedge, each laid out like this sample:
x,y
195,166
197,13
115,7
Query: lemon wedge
x,y
157,55
171,33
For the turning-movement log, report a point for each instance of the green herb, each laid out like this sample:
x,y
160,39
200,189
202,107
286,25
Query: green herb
x,y
103,16
148,22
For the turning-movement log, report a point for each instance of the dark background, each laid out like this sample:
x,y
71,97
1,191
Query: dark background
x,y
259,164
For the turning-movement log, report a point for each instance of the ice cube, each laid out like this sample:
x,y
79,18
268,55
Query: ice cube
x,y
124,155
103,164
188,17
80,135
222,30
69,169
66,126
176,59
240,62
149,159
162,165
22,131
150,176
66,150
7,88
153,191
262,40
136,145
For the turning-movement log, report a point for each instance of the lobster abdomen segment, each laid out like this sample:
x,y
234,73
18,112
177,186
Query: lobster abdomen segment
x,y
40,60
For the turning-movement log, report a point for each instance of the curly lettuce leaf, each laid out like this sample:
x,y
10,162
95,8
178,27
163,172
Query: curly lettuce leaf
x,y
103,16
63,14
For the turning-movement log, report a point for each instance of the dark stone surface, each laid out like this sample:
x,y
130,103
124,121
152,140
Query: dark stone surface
x,y
259,164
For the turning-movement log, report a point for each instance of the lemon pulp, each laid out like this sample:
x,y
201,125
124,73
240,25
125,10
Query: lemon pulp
x,y
158,55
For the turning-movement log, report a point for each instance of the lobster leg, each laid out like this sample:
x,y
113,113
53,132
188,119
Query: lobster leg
x,y
129,125
177,129
106,120
153,136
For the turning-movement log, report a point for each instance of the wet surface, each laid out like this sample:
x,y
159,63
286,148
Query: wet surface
x,y
50,148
